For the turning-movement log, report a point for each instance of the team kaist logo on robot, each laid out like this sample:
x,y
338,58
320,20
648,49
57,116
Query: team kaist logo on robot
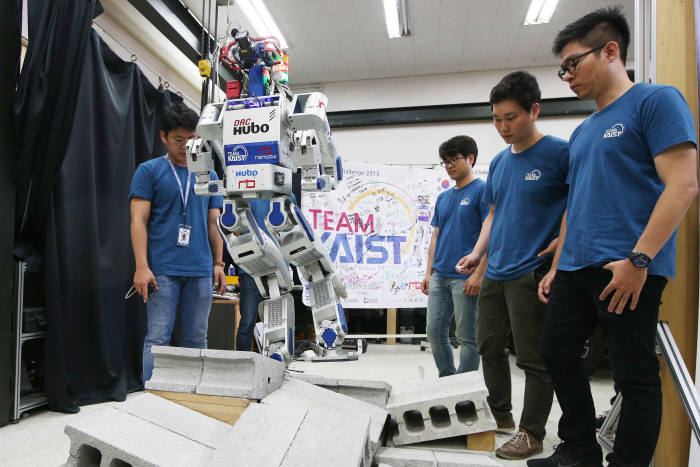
x,y
261,134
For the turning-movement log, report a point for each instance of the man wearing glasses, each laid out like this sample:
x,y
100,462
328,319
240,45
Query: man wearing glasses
x,y
526,190
632,176
459,213
177,246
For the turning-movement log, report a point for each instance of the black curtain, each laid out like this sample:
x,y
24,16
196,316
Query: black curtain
x,y
94,335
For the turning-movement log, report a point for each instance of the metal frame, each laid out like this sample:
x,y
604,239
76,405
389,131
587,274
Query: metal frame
x,y
645,41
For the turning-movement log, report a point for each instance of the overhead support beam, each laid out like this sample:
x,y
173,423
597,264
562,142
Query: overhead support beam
x,y
449,113
181,28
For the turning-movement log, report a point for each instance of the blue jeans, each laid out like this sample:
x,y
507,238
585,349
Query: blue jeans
x,y
446,298
250,298
187,299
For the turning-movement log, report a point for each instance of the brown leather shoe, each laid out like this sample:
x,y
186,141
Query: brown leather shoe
x,y
521,446
504,423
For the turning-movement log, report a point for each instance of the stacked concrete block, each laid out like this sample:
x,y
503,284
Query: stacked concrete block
x,y
270,436
296,393
144,431
450,406
370,391
214,372
397,457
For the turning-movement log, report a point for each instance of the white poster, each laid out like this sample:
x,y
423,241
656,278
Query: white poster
x,y
376,228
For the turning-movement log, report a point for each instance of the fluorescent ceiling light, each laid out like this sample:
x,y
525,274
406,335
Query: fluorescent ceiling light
x,y
396,17
261,20
540,11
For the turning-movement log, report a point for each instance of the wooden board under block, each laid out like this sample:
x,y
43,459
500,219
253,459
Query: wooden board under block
x,y
484,441
225,409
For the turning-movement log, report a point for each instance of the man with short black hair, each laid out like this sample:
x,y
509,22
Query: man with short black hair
x,y
632,176
526,190
177,246
459,213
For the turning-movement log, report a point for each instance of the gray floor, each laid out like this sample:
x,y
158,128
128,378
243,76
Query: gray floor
x,y
38,440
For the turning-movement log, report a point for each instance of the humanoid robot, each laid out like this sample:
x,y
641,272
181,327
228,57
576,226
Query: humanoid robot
x,y
261,140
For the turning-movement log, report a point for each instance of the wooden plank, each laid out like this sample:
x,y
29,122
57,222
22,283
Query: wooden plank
x,y
676,65
485,441
225,409
391,324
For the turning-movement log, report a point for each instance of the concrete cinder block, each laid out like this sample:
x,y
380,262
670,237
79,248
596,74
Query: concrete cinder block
x,y
331,438
175,369
450,406
370,391
261,437
464,459
327,383
397,457
239,374
145,431
296,393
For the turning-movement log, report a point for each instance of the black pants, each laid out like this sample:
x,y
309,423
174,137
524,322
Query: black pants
x,y
573,311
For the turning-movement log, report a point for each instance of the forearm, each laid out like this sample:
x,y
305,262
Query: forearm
x,y
665,218
560,244
431,254
483,242
481,269
139,243
216,243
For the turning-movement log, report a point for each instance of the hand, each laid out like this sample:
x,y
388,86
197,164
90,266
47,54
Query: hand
x,y
472,286
143,277
219,279
425,285
545,286
468,264
551,248
627,282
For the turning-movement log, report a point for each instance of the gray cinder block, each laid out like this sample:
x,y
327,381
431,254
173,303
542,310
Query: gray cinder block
x,y
175,369
296,393
450,406
398,457
370,391
239,374
144,431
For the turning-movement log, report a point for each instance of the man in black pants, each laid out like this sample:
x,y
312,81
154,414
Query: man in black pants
x,y
632,176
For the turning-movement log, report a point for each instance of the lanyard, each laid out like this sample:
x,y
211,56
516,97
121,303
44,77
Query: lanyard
x,y
184,196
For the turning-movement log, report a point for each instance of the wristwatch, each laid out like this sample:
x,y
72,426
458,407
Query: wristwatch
x,y
638,259
219,263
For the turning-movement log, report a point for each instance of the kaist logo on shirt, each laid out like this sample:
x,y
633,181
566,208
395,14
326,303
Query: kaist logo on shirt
x,y
614,131
465,202
533,175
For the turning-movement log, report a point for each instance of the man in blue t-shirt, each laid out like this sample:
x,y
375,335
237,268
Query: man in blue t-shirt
x,y
177,246
459,213
632,176
526,190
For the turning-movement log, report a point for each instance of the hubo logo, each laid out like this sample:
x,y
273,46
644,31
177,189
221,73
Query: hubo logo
x,y
238,154
465,202
244,126
246,173
614,131
534,175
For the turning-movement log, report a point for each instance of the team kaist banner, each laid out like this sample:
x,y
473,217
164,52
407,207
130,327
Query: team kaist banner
x,y
376,227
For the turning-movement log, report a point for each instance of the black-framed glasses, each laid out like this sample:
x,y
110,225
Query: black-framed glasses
x,y
573,62
451,162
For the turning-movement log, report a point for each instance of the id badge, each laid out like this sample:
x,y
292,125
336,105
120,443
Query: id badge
x,y
183,235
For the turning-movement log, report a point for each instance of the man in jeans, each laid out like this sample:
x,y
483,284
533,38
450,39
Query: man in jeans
x,y
632,175
177,246
459,213
526,190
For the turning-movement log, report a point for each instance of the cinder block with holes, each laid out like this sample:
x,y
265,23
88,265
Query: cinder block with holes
x,y
450,406
247,375
371,391
146,430
297,393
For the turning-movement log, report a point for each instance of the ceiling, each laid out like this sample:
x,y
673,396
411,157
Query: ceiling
x,y
343,40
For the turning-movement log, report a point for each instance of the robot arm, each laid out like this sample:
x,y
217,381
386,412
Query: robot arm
x,y
314,151
202,150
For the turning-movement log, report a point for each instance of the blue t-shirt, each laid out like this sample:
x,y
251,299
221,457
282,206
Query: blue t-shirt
x,y
154,181
528,191
459,213
614,183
